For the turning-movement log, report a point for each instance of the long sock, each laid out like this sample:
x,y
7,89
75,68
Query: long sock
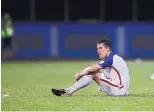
x,y
83,82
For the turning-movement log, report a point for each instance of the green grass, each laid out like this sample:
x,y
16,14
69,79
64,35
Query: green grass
x,y
28,85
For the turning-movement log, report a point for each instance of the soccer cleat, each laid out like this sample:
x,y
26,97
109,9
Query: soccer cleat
x,y
57,92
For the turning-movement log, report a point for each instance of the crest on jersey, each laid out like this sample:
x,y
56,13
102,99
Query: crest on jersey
x,y
101,62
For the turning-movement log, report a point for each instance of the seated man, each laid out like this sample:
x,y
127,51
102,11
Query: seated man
x,y
114,81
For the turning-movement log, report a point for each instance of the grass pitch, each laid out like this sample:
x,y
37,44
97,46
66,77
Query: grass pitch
x,y
25,86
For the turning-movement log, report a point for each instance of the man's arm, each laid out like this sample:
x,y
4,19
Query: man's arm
x,y
88,70
95,68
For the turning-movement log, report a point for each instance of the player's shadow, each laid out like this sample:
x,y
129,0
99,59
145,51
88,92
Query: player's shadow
x,y
130,95
92,95
141,95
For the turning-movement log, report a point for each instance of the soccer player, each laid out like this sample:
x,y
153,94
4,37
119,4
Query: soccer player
x,y
113,81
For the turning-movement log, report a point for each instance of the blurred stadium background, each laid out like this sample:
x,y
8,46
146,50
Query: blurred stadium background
x,y
70,28
55,30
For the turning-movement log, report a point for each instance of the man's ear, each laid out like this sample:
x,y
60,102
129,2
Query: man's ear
x,y
108,49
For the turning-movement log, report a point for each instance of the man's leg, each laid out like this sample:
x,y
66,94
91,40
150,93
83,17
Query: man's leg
x,y
83,82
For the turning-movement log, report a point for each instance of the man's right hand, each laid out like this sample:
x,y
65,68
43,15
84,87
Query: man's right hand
x,y
77,76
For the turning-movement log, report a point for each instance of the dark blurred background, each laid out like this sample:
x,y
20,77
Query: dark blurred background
x,y
71,28
74,10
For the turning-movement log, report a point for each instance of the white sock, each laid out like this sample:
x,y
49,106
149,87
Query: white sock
x,y
83,82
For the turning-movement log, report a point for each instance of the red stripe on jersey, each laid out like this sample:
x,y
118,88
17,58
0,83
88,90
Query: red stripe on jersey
x,y
119,76
112,83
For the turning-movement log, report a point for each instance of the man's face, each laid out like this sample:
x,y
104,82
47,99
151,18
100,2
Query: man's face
x,y
102,51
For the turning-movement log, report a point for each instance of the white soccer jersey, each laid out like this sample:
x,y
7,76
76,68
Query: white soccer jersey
x,y
116,75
